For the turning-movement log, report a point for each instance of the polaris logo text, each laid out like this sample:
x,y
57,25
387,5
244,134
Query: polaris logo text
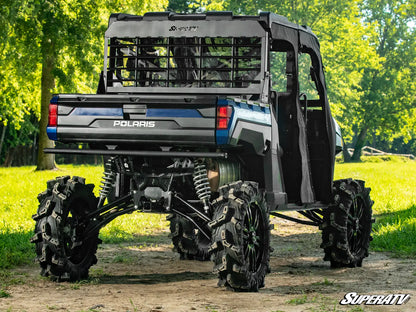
x,y
134,124
392,299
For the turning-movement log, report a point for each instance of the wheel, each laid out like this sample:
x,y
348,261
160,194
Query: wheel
x,y
190,243
62,250
241,237
346,228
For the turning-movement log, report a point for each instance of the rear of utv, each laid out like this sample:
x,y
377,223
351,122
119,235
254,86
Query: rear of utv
x,y
218,121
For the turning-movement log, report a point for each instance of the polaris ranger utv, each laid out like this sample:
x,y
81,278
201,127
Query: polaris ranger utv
x,y
193,120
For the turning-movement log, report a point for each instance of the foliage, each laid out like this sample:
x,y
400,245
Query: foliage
x,y
52,41
71,31
185,6
18,78
25,135
387,106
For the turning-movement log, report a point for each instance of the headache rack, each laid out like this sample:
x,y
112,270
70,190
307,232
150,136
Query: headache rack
x,y
184,62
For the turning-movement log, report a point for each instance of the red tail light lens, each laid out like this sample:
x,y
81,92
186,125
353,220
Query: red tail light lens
x,y
223,116
53,115
222,123
224,111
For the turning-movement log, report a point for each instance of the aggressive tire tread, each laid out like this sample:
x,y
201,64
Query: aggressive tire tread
x,y
187,241
233,212
62,252
346,228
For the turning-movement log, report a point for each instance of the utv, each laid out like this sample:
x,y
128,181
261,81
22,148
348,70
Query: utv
x,y
217,120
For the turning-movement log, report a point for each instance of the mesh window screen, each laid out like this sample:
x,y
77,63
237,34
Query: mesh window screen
x,y
184,62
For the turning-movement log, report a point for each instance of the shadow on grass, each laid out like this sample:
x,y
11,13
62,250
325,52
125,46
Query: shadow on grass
x,y
15,248
397,216
124,237
395,232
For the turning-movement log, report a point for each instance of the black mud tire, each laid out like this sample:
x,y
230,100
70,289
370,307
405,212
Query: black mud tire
x,y
62,251
241,237
346,228
188,241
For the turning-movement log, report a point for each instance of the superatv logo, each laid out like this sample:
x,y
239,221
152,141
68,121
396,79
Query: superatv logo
x,y
392,299
183,28
134,123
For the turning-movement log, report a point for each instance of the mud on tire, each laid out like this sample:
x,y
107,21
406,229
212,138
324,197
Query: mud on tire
x,y
241,237
346,228
62,250
187,240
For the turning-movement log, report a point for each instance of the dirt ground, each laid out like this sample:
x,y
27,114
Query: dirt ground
x,y
150,277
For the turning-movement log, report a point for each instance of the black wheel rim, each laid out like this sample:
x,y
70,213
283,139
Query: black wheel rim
x,y
253,237
355,225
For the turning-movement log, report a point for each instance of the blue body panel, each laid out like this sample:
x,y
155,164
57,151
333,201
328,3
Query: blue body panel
x,y
175,112
242,111
97,111
52,133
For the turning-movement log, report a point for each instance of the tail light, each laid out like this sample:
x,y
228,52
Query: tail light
x,y
53,115
223,116
52,128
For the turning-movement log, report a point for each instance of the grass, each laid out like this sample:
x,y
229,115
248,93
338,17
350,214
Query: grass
x,y
4,294
325,282
301,300
392,183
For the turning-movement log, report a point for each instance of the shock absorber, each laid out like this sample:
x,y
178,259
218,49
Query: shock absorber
x,y
107,181
201,183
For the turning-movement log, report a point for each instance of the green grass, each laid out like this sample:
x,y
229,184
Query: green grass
x,y
392,183
393,189
301,300
18,202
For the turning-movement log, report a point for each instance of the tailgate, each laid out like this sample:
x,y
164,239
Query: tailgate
x,y
133,119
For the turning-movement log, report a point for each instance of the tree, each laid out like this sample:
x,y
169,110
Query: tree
x,y
185,6
61,40
18,78
389,91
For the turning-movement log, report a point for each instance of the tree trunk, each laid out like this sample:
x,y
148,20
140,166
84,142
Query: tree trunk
x,y
345,153
356,156
2,138
46,161
34,149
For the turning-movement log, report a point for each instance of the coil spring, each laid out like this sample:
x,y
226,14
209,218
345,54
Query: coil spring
x,y
108,179
200,177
